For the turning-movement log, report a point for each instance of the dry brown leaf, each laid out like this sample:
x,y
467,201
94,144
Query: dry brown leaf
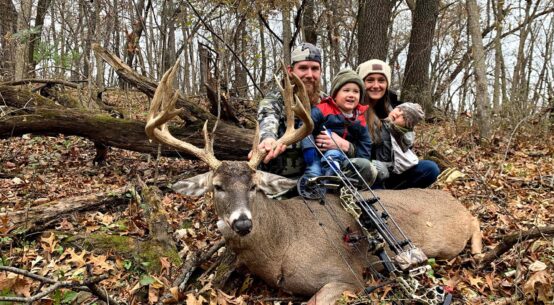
x,y
48,244
78,259
539,287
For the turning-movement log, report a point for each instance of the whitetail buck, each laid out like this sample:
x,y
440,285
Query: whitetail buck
x,y
294,244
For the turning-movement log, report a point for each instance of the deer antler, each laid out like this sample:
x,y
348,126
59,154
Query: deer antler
x,y
294,104
162,109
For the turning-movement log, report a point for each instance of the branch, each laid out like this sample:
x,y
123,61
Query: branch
x,y
41,81
508,241
208,27
268,27
297,23
56,285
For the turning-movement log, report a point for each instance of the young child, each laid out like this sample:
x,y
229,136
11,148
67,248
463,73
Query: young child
x,y
340,113
396,155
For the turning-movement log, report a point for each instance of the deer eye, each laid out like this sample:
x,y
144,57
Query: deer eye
x,y
253,188
218,188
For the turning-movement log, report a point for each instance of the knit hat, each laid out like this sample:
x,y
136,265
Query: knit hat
x,y
305,51
374,66
344,77
413,113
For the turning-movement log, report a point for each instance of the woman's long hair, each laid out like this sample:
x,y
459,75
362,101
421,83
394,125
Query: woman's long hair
x,y
375,113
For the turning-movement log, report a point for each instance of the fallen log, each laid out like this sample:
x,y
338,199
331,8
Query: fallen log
x,y
41,216
38,115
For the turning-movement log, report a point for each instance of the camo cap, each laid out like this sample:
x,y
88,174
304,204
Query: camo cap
x,y
305,51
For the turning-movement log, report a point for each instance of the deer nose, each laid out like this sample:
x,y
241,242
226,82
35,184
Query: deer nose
x,y
243,225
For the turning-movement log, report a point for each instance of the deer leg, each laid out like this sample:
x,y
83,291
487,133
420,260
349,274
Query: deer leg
x,y
330,293
476,238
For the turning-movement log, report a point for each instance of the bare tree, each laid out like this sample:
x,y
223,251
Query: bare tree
x,y
416,84
23,32
8,26
481,93
373,24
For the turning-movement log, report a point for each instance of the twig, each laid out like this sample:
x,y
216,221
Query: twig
x,y
55,285
191,265
510,141
209,28
508,241
297,23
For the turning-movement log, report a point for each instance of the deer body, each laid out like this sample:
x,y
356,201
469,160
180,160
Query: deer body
x,y
298,246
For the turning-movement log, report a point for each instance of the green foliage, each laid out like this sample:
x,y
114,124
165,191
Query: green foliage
x,y
24,36
48,51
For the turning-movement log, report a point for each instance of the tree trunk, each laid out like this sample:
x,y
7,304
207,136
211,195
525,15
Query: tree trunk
x,y
8,26
23,27
287,35
416,85
498,56
133,38
308,23
373,24
35,37
481,92
241,84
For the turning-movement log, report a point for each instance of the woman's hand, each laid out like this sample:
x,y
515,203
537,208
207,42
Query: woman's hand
x,y
324,142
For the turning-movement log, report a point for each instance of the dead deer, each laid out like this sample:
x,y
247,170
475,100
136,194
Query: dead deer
x,y
296,244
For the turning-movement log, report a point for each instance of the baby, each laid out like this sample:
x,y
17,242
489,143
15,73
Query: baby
x,y
396,155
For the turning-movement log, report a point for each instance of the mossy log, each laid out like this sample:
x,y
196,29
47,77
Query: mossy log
x,y
42,216
146,253
38,115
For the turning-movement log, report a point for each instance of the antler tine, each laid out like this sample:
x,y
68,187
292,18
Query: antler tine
x,y
294,104
162,109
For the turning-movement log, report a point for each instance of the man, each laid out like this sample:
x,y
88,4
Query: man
x,y
288,162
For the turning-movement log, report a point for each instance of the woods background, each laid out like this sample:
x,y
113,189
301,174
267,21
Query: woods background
x,y
482,69
238,45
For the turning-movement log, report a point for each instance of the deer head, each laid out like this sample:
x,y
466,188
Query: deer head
x,y
234,183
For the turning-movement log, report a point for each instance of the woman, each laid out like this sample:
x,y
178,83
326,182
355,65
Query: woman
x,y
377,75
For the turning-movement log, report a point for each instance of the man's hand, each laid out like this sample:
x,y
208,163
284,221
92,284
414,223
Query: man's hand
x,y
324,142
273,149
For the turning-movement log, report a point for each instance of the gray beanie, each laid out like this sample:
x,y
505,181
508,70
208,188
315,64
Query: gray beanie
x,y
374,66
344,77
413,113
305,51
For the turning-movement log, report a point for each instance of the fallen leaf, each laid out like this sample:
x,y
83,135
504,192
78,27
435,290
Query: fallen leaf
x,y
78,259
537,266
539,287
49,244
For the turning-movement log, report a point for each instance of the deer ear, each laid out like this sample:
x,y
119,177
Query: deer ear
x,y
193,186
272,184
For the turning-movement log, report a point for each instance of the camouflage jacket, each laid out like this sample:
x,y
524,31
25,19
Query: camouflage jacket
x,y
272,120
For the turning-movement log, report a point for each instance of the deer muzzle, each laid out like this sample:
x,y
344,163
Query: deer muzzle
x,y
242,225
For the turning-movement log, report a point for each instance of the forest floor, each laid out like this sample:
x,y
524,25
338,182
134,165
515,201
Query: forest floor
x,y
508,184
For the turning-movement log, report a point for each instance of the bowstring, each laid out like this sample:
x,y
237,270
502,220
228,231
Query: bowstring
x,y
357,194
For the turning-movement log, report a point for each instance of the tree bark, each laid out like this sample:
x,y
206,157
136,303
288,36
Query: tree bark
x,y
35,37
231,143
39,115
23,24
416,86
8,26
308,23
373,24
43,215
481,93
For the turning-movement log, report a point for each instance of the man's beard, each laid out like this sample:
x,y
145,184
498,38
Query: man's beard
x,y
313,92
